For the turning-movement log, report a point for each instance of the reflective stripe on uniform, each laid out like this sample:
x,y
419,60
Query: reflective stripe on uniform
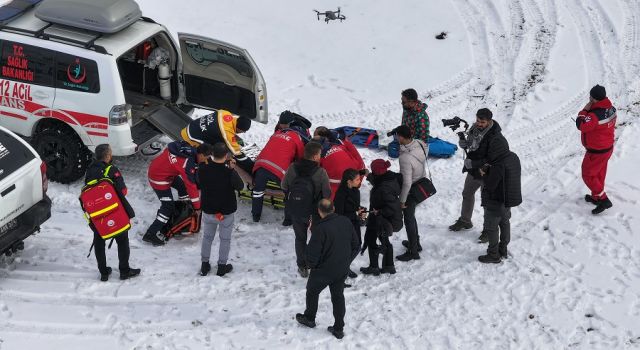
x,y
270,163
334,181
161,219
159,182
166,199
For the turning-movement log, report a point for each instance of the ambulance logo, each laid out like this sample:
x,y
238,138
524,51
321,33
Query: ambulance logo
x,y
108,196
111,223
76,73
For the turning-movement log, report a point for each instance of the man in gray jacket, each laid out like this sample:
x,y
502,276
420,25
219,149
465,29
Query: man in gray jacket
x,y
413,156
305,183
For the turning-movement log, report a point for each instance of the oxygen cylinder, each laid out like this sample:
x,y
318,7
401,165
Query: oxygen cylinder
x,y
164,78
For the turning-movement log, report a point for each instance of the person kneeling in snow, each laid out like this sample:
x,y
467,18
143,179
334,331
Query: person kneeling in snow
x,y
597,123
218,182
175,167
501,191
332,246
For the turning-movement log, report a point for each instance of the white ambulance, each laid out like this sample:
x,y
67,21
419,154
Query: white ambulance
x,y
75,74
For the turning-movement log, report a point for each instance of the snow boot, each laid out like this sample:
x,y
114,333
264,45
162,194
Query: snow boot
x,y
460,225
388,269
489,259
256,217
105,276
153,239
338,333
484,237
370,270
589,199
408,256
405,244
305,321
602,205
224,269
129,274
352,274
205,268
303,272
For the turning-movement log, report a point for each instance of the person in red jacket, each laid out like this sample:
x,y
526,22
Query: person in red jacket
x,y
175,167
597,122
285,146
337,156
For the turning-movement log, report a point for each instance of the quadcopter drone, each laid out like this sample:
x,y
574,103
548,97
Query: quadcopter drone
x,y
330,15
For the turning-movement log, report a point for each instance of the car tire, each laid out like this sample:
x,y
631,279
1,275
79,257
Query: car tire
x,y
64,153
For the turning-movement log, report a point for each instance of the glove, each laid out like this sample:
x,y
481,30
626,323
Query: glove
x,y
463,143
468,164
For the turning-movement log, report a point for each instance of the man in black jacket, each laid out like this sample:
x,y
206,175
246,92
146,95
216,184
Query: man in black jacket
x,y
218,185
484,144
501,192
305,183
332,246
99,169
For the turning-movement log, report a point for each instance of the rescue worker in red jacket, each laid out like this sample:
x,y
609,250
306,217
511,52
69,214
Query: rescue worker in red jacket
x,y
285,146
337,156
220,126
596,122
176,167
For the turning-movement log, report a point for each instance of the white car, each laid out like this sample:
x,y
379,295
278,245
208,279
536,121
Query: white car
x,y
75,74
24,204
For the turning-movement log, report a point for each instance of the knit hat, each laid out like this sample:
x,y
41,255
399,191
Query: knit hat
x,y
243,124
286,117
598,93
380,166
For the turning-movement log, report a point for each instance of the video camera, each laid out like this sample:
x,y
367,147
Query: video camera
x,y
454,124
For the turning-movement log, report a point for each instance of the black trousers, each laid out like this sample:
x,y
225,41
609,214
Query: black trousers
x,y
358,229
166,204
123,251
371,237
496,217
260,179
300,228
317,282
411,225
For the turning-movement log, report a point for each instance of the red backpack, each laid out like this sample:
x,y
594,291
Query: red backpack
x,y
103,208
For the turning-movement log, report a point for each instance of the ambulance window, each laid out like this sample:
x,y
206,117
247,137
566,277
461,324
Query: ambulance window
x,y
76,73
26,63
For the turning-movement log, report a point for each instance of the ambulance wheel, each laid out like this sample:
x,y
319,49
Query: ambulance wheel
x,y
64,153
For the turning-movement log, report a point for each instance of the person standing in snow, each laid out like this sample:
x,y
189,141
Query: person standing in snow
x,y
501,191
413,158
305,183
347,204
285,146
332,247
414,115
218,183
102,168
385,217
597,122
484,144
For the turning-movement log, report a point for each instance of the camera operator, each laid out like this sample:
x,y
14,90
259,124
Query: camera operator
x,y
483,145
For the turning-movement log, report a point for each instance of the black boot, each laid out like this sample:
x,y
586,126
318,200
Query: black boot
x,y
303,320
460,225
256,217
408,256
405,244
352,274
129,274
589,199
205,268
370,270
105,276
153,239
338,333
223,269
489,259
602,205
484,237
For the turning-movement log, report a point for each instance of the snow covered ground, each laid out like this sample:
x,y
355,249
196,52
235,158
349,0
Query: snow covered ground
x,y
573,280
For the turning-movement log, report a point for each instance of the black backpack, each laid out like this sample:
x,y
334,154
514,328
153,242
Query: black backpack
x,y
302,197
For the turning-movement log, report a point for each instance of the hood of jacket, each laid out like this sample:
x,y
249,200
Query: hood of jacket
x,y
415,149
182,149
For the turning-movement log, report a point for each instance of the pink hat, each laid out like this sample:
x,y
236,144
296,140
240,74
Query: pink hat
x,y
380,166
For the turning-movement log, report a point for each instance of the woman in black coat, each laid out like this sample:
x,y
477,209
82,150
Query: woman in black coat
x,y
347,203
385,217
